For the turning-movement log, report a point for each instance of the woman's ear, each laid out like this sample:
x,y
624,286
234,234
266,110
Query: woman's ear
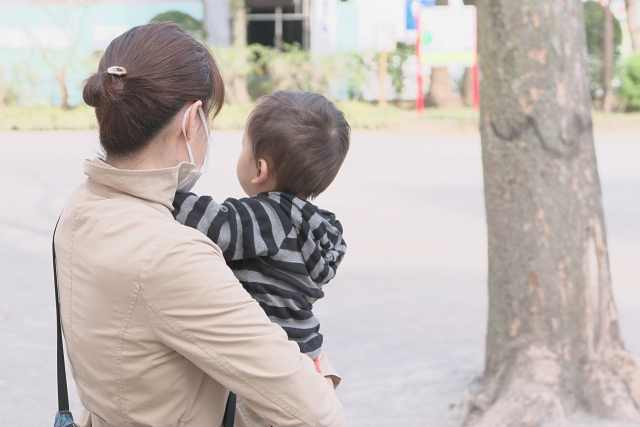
x,y
190,123
262,174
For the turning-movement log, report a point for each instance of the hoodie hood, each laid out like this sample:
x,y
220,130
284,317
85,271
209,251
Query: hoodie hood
x,y
319,236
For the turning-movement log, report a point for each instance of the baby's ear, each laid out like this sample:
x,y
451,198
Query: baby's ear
x,y
262,174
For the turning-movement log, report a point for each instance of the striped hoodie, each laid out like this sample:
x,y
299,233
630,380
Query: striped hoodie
x,y
281,248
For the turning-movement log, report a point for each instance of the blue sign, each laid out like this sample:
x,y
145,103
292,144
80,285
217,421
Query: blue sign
x,y
413,6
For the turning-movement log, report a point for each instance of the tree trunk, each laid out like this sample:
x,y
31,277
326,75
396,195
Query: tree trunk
x,y
240,93
607,73
553,342
239,22
440,91
61,79
633,19
2,94
467,87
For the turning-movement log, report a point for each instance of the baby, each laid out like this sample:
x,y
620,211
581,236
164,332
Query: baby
x,y
282,248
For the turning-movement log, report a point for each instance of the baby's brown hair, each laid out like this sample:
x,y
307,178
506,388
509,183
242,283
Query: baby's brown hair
x,y
303,137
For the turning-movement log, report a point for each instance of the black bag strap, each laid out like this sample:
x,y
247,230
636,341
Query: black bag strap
x,y
63,393
229,411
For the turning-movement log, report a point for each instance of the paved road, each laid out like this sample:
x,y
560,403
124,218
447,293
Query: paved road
x,y
404,320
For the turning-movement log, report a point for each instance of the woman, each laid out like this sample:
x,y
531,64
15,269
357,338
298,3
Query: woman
x,y
158,330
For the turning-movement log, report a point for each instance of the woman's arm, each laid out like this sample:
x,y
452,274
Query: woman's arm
x,y
197,307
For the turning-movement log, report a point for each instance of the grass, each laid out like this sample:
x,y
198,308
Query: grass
x,y
360,115
616,122
46,118
232,117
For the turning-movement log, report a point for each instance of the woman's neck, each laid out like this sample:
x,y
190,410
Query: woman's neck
x,y
156,155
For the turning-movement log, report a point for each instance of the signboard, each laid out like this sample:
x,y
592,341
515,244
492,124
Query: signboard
x,y
412,8
384,39
347,32
448,36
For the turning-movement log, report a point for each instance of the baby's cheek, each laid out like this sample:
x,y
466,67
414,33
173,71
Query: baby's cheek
x,y
242,174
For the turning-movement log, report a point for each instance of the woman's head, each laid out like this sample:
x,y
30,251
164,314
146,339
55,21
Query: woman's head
x,y
166,69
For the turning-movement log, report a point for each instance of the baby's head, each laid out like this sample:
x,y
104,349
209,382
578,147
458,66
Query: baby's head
x,y
294,142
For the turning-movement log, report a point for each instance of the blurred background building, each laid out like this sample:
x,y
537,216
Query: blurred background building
x,y
47,47
43,42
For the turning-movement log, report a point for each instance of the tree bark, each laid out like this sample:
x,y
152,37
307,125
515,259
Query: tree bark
x,y
2,93
239,91
553,343
607,72
633,19
467,87
61,79
440,91
239,22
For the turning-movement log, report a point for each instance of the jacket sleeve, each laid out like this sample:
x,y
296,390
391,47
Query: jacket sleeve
x,y
197,307
242,228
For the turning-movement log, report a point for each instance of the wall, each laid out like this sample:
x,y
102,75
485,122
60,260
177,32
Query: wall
x,y
36,41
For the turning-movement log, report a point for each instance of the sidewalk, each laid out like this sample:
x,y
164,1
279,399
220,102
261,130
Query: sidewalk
x,y
404,321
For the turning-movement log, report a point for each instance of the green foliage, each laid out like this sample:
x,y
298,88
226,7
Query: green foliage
x,y
594,16
292,68
630,77
266,69
356,70
232,117
187,22
395,65
235,66
362,115
397,59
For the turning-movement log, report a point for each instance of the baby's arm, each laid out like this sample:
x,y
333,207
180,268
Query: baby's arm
x,y
241,228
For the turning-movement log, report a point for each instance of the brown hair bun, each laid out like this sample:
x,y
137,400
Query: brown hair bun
x,y
102,89
166,68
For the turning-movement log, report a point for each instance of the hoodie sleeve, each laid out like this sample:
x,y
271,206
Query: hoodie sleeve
x,y
242,228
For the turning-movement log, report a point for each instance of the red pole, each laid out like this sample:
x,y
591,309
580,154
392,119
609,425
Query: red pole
x,y
476,86
476,73
420,95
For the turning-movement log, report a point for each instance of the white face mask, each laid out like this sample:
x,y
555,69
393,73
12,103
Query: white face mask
x,y
190,180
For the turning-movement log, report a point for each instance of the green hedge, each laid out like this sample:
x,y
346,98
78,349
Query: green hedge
x,y
46,118
359,114
630,77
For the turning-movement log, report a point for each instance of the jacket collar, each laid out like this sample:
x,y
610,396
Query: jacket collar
x,y
156,188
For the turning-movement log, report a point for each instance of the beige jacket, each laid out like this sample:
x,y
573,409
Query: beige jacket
x,y
156,326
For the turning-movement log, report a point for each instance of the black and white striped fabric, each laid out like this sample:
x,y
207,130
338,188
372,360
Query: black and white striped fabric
x,y
281,248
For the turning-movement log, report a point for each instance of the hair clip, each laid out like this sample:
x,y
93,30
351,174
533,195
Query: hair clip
x,y
117,70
